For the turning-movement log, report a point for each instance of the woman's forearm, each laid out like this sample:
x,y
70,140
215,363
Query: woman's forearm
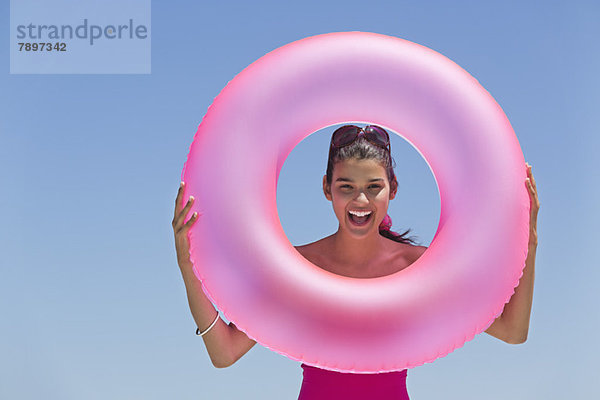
x,y
218,339
517,312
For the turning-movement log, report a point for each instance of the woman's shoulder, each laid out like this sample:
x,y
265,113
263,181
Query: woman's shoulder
x,y
407,252
310,250
418,250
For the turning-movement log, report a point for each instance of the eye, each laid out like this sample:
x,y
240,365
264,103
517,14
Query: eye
x,y
374,186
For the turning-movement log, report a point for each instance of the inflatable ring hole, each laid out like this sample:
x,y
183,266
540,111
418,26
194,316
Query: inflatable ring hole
x,y
307,216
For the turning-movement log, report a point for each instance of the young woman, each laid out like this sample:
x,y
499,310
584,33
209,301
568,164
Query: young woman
x,y
359,182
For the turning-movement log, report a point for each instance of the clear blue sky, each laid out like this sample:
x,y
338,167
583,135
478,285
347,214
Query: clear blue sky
x,y
92,302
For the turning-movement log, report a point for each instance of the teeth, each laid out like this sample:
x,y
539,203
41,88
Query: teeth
x,y
360,213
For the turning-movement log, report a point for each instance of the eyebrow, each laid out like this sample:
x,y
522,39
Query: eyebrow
x,y
350,180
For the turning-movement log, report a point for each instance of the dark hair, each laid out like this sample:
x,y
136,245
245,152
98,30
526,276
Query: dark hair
x,y
362,149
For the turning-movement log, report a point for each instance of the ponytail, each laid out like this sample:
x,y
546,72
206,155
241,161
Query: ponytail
x,y
385,231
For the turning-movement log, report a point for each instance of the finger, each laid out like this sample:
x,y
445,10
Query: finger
x,y
178,220
530,174
529,187
183,214
190,222
532,193
532,180
531,183
178,199
185,227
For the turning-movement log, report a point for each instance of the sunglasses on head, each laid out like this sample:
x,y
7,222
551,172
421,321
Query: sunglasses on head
x,y
347,134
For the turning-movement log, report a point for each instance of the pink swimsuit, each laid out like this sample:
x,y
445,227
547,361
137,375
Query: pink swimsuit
x,y
322,384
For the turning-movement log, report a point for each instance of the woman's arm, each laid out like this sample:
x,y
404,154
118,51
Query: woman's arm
x,y
513,324
225,343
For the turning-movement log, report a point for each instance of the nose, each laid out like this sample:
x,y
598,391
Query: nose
x,y
361,197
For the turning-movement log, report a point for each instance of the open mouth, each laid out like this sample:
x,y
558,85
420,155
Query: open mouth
x,y
360,218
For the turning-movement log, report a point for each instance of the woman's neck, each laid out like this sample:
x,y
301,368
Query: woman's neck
x,y
352,253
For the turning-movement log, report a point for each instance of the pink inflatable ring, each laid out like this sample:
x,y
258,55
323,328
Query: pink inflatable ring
x,y
260,282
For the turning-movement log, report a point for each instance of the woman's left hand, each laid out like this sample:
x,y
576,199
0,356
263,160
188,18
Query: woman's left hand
x,y
534,207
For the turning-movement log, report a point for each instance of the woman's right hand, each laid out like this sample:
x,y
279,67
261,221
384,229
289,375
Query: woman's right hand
x,y
180,229
225,343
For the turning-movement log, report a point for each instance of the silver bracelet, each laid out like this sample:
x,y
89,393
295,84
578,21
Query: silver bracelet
x,y
209,328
